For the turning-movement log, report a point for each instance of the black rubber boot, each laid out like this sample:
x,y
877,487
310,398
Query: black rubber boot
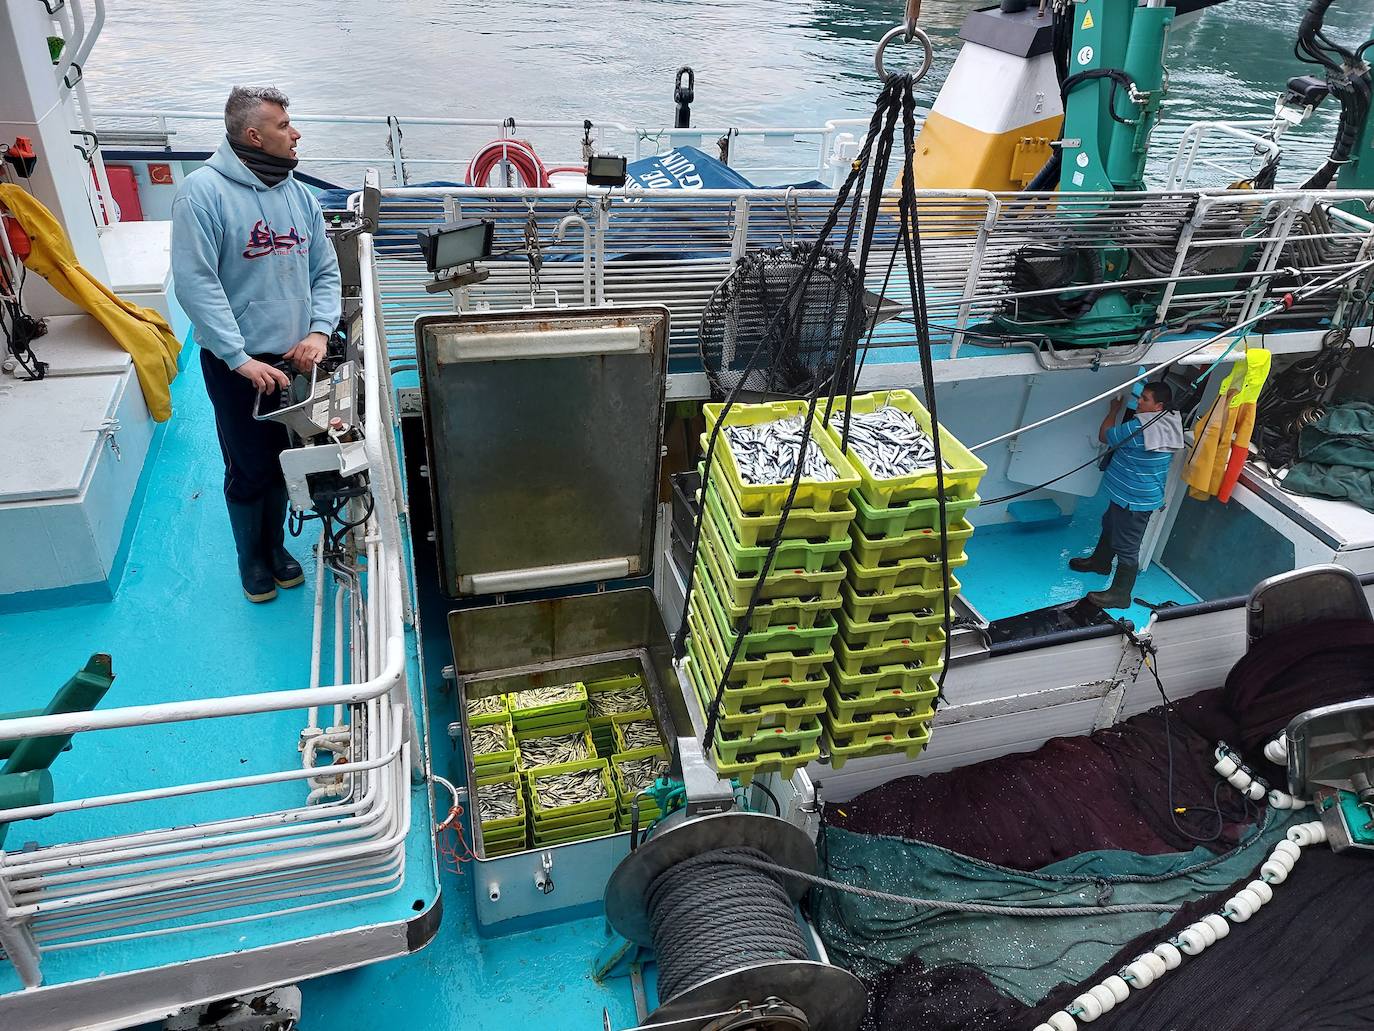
x,y
286,571
246,520
1118,595
1100,561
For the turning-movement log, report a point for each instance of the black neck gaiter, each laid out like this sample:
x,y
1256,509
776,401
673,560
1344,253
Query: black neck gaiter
x,y
271,170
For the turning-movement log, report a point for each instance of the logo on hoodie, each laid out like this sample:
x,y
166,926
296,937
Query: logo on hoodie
x,y
262,241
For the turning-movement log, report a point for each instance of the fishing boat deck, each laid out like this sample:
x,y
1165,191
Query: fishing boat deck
x,y
177,628
1019,567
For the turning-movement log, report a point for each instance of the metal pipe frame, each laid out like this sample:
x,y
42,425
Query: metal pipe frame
x,y
160,881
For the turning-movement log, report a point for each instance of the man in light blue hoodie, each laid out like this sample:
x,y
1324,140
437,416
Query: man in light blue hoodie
x,y
255,272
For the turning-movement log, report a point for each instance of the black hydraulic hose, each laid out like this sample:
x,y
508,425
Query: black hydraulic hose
x,y
1048,176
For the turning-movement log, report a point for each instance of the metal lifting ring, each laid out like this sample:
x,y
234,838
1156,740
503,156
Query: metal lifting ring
x,y
901,31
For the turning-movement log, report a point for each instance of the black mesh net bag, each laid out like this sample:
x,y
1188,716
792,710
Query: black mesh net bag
x,y
777,327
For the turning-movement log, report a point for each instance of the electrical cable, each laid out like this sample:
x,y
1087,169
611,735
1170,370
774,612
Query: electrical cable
x,y
777,809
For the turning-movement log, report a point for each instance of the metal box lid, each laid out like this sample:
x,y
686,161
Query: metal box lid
x,y
544,431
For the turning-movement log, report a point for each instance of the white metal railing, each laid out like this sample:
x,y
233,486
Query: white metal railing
x,y
675,247
79,40
758,152
265,862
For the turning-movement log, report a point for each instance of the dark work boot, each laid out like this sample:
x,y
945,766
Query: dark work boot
x,y
246,520
286,571
1100,561
1118,595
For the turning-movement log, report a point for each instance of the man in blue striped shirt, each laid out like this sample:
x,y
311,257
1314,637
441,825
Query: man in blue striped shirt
x,y
1142,449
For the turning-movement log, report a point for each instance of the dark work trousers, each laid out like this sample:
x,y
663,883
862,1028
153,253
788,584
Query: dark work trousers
x,y
1123,530
251,448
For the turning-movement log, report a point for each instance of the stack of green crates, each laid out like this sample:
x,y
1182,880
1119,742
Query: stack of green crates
x,y
626,791
491,713
560,717
770,715
555,821
891,639
508,834
611,697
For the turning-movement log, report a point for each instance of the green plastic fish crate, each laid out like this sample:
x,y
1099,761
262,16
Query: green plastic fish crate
x,y
737,588
857,660
907,572
865,608
492,763
916,514
783,638
756,671
618,722
526,714
601,725
802,523
802,612
961,477
924,542
564,836
507,826
793,714
739,700
769,498
902,725
894,699
903,678
544,817
888,629
796,553
841,751
648,808
533,735
769,751
482,719
505,848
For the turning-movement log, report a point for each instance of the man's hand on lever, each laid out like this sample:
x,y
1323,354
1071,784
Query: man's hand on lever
x,y
263,376
308,353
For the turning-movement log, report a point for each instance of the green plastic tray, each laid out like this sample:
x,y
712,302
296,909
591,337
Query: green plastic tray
x,y
768,498
792,554
916,514
490,717
756,671
868,726
785,764
490,763
865,608
783,583
894,699
575,710
790,715
961,478
498,829
925,542
854,661
742,699
736,748
530,735
505,848
802,523
899,677
539,813
802,612
784,638
907,572
842,753
563,836
618,722
892,628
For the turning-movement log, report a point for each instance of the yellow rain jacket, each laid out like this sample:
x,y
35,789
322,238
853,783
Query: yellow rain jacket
x,y
1221,438
141,331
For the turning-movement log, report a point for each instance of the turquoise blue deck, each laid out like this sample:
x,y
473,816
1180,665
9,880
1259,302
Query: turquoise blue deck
x,y
178,627
1039,553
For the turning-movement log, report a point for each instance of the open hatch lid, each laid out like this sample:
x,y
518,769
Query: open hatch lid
x,y
544,431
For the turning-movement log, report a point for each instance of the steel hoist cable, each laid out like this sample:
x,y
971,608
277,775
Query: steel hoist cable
x,y
716,913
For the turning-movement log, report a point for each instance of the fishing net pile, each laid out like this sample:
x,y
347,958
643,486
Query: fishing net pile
x,y
1093,821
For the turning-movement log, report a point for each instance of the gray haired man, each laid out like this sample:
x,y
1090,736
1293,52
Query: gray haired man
x,y
255,272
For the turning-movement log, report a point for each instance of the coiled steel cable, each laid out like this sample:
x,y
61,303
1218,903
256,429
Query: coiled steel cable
x,y
719,912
